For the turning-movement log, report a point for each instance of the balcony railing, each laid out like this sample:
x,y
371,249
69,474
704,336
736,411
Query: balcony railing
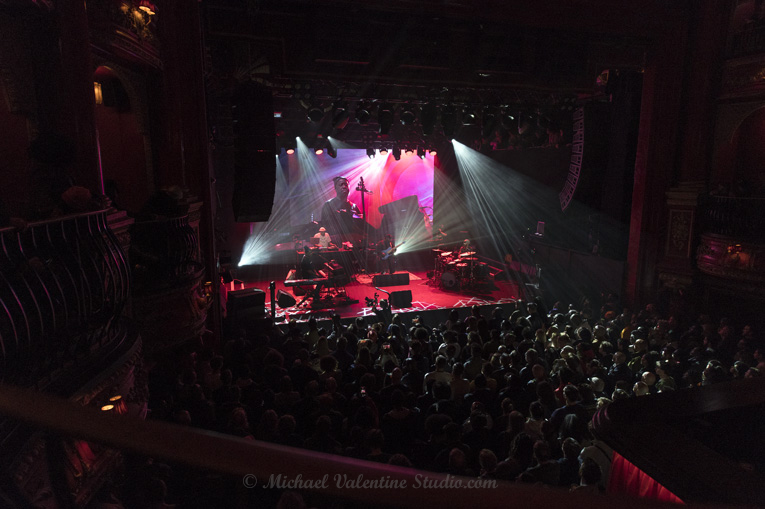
x,y
739,218
63,286
163,250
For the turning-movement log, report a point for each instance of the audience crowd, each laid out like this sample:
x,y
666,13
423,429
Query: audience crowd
x,y
495,397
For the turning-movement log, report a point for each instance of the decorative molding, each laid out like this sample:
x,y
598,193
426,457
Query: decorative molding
x,y
119,28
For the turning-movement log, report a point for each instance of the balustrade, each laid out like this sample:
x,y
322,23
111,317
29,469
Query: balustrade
x,y
64,284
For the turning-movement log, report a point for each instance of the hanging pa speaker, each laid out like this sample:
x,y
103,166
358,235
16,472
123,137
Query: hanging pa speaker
x,y
254,152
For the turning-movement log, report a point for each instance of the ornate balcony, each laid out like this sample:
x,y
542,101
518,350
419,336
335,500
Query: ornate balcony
x,y
170,299
731,247
63,286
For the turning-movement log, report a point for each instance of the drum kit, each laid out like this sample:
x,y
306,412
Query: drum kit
x,y
454,270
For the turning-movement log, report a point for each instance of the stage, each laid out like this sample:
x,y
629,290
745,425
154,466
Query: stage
x,y
429,298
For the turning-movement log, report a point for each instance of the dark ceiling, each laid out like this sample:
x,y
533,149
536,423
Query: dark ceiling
x,y
532,58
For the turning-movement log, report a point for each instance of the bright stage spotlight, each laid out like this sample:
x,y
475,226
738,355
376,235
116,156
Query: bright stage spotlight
x,y
319,151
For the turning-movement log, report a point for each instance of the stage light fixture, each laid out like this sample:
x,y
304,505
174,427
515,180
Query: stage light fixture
x,y
396,153
363,112
433,152
409,151
407,116
331,151
315,113
421,152
319,151
468,116
290,151
371,153
385,118
383,151
448,119
340,114
507,120
428,118
488,121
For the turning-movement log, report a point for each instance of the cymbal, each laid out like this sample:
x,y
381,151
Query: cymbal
x,y
462,265
469,253
446,253
469,259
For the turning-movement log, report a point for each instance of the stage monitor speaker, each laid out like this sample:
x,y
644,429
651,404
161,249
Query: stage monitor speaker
x,y
249,300
254,154
285,300
402,299
395,279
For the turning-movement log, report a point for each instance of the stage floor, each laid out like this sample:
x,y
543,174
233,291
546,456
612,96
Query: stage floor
x,y
427,296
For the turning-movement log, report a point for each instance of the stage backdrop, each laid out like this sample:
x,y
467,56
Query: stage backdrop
x,y
387,180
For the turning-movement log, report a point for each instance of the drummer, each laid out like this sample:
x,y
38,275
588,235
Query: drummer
x,y
467,247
